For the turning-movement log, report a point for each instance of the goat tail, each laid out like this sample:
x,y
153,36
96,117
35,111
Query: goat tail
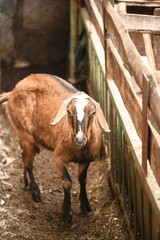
x,y
4,97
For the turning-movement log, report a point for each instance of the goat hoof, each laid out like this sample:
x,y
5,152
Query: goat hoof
x,y
36,196
67,219
86,209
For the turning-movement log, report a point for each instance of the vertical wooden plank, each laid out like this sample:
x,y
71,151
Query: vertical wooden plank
x,y
123,171
133,192
145,96
73,35
118,152
141,213
0,77
102,91
90,63
147,217
128,180
155,227
149,50
94,72
112,126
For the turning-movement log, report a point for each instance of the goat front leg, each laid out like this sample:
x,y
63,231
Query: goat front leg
x,y
67,185
82,175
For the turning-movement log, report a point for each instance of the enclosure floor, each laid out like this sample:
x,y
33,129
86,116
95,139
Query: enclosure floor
x,y
21,218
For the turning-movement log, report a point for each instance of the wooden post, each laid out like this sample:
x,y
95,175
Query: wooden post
x,y
73,35
149,50
0,78
145,100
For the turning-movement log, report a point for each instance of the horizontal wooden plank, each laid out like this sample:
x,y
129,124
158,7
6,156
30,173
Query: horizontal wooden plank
x,y
136,22
123,81
131,58
141,3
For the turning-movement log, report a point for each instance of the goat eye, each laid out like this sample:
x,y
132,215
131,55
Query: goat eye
x,y
92,114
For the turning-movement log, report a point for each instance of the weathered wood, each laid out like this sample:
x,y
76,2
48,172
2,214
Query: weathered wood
x,y
142,3
99,4
145,95
149,184
156,43
157,11
122,8
157,74
73,36
133,144
123,81
149,50
96,18
94,37
131,58
143,23
155,152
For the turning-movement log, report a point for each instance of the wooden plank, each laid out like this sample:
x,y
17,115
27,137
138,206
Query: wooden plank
x,y
92,33
146,216
96,18
156,42
149,50
155,153
95,41
73,36
145,95
121,77
141,3
131,58
99,6
149,184
142,23
155,227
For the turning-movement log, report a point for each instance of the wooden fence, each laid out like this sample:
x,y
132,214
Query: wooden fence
x,y
128,92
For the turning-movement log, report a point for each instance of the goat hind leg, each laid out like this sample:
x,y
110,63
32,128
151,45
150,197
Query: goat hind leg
x,y
28,158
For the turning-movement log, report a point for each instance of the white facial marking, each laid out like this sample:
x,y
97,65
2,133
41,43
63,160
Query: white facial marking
x,y
79,134
80,105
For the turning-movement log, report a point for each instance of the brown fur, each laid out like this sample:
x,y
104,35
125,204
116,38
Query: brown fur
x,y
31,107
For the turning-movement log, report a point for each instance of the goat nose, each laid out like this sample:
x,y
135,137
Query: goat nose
x,y
80,141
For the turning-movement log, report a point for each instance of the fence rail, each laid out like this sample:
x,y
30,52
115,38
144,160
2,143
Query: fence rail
x,y
114,63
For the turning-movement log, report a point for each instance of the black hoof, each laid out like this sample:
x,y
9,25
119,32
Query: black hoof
x,y
36,196
86,208
67,219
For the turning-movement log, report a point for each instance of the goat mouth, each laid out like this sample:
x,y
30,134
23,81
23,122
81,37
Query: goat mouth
x,y
80,145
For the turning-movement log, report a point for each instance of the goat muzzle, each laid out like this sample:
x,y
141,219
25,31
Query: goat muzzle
x,y
80,142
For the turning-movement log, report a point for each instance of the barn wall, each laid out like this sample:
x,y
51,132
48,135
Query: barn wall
x,y
35,31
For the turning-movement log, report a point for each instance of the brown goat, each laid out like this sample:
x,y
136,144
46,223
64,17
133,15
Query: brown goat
x,y
46,110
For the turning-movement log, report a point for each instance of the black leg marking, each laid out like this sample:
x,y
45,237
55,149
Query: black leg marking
x,y
25,182
85,205
67,184
34,187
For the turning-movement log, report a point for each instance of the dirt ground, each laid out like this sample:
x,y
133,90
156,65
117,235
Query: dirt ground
x,y
22,219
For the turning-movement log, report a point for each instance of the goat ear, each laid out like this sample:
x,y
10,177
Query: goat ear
x,y
62,112
101,119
